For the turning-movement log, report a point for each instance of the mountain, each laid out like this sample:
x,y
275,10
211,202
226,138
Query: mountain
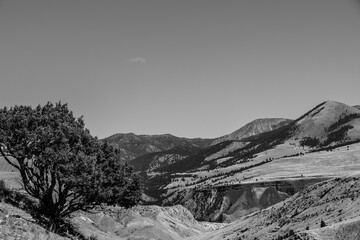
x,y
152,161
328,119
321,144
253,128
132,145
295,180
327,125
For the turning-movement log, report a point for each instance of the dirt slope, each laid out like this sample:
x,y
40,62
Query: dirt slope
x,y
17,224
141,222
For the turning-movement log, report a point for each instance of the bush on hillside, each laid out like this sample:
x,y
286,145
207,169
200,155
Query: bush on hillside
x,y
322,224
310,142
4,191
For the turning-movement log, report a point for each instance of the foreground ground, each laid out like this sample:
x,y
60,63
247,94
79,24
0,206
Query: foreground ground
x,y
334,202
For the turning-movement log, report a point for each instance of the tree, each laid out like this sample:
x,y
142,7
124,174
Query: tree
x,y
61,164
322,224
310,142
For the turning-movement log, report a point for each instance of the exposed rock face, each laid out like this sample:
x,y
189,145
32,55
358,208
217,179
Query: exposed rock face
x,y
225,204
253,128
336,202
141,222
132,145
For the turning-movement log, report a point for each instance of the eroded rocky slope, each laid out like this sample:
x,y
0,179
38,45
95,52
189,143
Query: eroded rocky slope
x,y
335,202
226,204
141,222
230,202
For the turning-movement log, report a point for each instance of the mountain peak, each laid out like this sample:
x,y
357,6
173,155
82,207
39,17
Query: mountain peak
x,y
316,122
254,127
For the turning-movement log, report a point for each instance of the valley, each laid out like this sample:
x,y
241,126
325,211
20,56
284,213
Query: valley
x,y
273,178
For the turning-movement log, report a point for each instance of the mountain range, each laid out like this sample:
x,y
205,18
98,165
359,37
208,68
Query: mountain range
x,y
273,178
132,145
274,152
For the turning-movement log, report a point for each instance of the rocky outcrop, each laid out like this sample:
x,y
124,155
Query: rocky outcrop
x,y
323,211
228,203
225,204
141,222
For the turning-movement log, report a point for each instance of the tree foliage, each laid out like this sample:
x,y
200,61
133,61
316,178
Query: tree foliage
x,y
61,164
322,224
310,142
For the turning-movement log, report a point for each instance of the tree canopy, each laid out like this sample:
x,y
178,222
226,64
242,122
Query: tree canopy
x,y
61,164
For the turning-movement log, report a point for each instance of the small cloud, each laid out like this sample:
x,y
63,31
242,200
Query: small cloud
x,y
138,60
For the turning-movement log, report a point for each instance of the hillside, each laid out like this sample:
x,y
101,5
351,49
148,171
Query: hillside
x,y
141,222
110,223
133,146
17,224
329,210
253,128
328,121
152,161
280,182
330,124
336,202
288,153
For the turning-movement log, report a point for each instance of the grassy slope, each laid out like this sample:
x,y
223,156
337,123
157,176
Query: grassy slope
x,y
323,164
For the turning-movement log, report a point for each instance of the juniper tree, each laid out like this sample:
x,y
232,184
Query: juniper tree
x,y
61,164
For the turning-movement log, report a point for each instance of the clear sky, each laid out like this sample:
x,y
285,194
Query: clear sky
x,y
192,68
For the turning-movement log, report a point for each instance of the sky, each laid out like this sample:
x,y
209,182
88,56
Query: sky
x,y
191,68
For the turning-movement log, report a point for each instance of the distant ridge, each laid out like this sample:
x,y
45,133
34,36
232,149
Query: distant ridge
x,y
253,128
132,145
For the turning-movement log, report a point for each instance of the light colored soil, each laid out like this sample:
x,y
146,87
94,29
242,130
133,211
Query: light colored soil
x,y
16,224
336,202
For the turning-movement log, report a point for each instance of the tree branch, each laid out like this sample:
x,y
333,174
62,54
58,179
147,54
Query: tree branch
x,y
7,159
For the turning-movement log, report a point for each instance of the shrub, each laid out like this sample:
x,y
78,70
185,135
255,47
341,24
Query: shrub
x,y
311,142
4,191
322,224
